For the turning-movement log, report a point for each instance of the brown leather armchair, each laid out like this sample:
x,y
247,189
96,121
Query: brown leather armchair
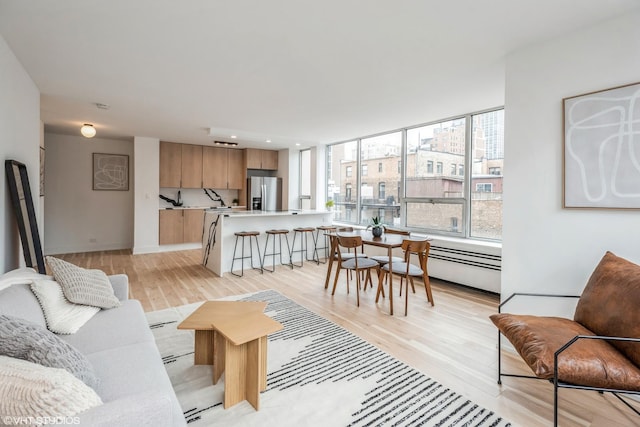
x,y
598,350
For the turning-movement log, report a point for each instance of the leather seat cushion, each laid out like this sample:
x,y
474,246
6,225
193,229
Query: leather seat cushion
x,y
610,303
587,362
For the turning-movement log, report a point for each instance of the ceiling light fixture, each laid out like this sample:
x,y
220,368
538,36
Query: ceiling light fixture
x,y
233,136
87,130
232,144
268,140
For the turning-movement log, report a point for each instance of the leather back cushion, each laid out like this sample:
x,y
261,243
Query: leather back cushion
x,y
610,303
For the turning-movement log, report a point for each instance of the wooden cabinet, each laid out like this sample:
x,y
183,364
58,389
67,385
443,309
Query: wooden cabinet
x,y
237,172
261,159
222,168
193,223
270,160
180,165
181,226
191,166
170,164
171,227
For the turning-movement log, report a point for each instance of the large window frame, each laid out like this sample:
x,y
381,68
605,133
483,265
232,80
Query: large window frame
x,y
464,172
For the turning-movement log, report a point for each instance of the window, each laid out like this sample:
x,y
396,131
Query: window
x,y
340,179
305,179
484,187
486,177
374,198
447,179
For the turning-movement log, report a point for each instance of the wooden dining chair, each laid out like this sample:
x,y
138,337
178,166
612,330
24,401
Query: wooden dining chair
x,y
408,271
355,263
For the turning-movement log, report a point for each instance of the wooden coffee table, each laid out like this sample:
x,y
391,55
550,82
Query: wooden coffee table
x,y
202,321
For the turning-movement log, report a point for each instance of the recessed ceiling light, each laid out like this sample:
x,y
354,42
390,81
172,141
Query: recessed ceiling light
x,y
268,140
297,144
233,136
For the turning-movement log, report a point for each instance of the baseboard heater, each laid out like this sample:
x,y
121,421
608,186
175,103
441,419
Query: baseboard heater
x,y
475,259
467,267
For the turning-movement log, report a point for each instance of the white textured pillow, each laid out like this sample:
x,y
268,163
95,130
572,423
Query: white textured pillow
x,y
82,286
19,276
62,316
31,390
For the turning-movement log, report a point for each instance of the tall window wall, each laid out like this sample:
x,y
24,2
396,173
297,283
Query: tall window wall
x,y
443,177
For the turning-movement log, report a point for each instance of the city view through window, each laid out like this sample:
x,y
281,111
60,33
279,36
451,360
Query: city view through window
x,y
447,178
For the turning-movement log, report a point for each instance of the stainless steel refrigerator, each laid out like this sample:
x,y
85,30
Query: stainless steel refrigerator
x,y
264,193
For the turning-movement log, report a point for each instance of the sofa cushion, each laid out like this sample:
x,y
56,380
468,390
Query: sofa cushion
x,y
82,286
587,362
610,303
112,328
19,301
25,340
132,370
62,316
31,390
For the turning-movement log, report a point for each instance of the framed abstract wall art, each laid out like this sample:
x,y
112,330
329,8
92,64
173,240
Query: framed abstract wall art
x,y
602,149
110,172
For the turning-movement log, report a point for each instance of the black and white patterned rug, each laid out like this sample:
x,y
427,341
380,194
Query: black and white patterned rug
x,y
318,374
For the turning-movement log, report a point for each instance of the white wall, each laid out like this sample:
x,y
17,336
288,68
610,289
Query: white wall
x,y
77,218
19,140
547,248
147,183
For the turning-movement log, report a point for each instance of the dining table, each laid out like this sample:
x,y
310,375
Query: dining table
x,y
388,241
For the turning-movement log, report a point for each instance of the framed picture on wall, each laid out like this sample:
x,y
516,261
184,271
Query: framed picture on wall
x,y
110,172
602,149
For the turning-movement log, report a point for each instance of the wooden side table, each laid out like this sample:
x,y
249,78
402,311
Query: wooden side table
x,y
240,351
202,319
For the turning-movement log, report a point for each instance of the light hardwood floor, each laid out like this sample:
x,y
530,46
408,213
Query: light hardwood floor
x,y
454,342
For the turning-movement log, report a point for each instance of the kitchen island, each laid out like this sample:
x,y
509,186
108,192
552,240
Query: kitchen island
x,y
220,226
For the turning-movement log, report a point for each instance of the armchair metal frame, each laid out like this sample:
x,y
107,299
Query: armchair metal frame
x,y
560,384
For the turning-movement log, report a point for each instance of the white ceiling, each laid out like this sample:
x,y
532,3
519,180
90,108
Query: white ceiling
x,y
310,72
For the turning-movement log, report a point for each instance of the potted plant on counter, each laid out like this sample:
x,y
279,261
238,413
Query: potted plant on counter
x,y
235,202
376,226
329,205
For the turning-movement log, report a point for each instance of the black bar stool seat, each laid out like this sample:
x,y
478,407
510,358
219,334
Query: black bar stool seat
x,y
243,234
278,234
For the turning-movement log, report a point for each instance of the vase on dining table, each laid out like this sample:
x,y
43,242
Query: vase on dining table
x,y
376,231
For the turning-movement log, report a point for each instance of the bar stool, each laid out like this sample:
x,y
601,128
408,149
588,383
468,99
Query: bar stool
x,y
327,246
279,234
304,245
244,234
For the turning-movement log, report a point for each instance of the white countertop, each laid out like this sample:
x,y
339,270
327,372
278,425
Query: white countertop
x,y
240,213
202,207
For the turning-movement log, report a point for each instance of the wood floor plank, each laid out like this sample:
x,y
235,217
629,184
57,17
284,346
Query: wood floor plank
x,y
453,342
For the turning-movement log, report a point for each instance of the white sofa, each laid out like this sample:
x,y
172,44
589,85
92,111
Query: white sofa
x,y
134,385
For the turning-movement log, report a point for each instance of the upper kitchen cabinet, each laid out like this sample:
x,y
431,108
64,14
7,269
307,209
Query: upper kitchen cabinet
x,y
222,168
180,165
191,166
170,164
261,159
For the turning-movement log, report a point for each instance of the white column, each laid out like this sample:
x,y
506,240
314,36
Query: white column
x,y
146,189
